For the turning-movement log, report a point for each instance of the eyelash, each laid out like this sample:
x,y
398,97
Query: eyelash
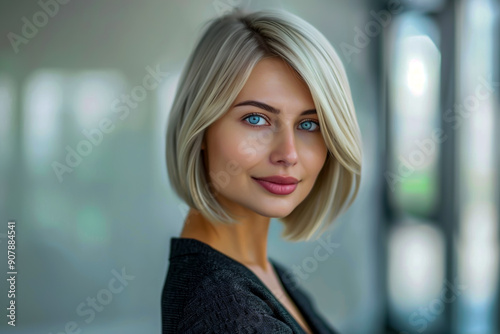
x,y
260,115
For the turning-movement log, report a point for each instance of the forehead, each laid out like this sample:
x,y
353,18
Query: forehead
x,y
272,79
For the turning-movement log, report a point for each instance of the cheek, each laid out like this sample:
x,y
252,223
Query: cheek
x,y
231,150
247,147
315,156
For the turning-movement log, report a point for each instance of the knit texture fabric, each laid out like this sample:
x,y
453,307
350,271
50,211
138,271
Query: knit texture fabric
x,y
206,291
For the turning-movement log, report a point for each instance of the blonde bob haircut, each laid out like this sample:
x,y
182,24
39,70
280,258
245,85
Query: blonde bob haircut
x,y
211,80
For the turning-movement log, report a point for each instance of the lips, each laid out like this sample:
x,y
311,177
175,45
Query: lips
x,y
286,186
279,179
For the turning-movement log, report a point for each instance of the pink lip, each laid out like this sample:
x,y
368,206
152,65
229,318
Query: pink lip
x,y
276,188
279,179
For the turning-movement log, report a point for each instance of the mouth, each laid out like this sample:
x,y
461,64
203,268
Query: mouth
x,y
277,188
278,179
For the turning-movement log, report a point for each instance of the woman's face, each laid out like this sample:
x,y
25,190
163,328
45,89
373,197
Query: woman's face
x,y
251,142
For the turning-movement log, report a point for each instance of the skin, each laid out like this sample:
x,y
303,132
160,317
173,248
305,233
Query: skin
x,y
285,144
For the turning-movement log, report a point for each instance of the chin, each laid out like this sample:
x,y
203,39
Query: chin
x,y
273,213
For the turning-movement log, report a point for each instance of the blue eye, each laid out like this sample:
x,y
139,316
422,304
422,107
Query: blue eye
x,y
308,127
253,120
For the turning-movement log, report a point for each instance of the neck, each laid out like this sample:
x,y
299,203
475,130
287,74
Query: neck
x,y
245,242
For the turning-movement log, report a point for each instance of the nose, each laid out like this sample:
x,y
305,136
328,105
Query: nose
x,y
285,148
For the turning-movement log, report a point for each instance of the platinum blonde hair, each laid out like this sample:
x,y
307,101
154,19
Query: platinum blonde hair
x,y
211,80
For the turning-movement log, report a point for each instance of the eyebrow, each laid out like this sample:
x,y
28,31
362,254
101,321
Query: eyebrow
x,y
271,109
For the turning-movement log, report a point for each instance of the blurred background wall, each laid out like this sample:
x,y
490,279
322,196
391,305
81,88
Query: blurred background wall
x,y
83,172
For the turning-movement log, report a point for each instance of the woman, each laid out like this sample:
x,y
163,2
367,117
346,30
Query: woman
x,y
263,125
